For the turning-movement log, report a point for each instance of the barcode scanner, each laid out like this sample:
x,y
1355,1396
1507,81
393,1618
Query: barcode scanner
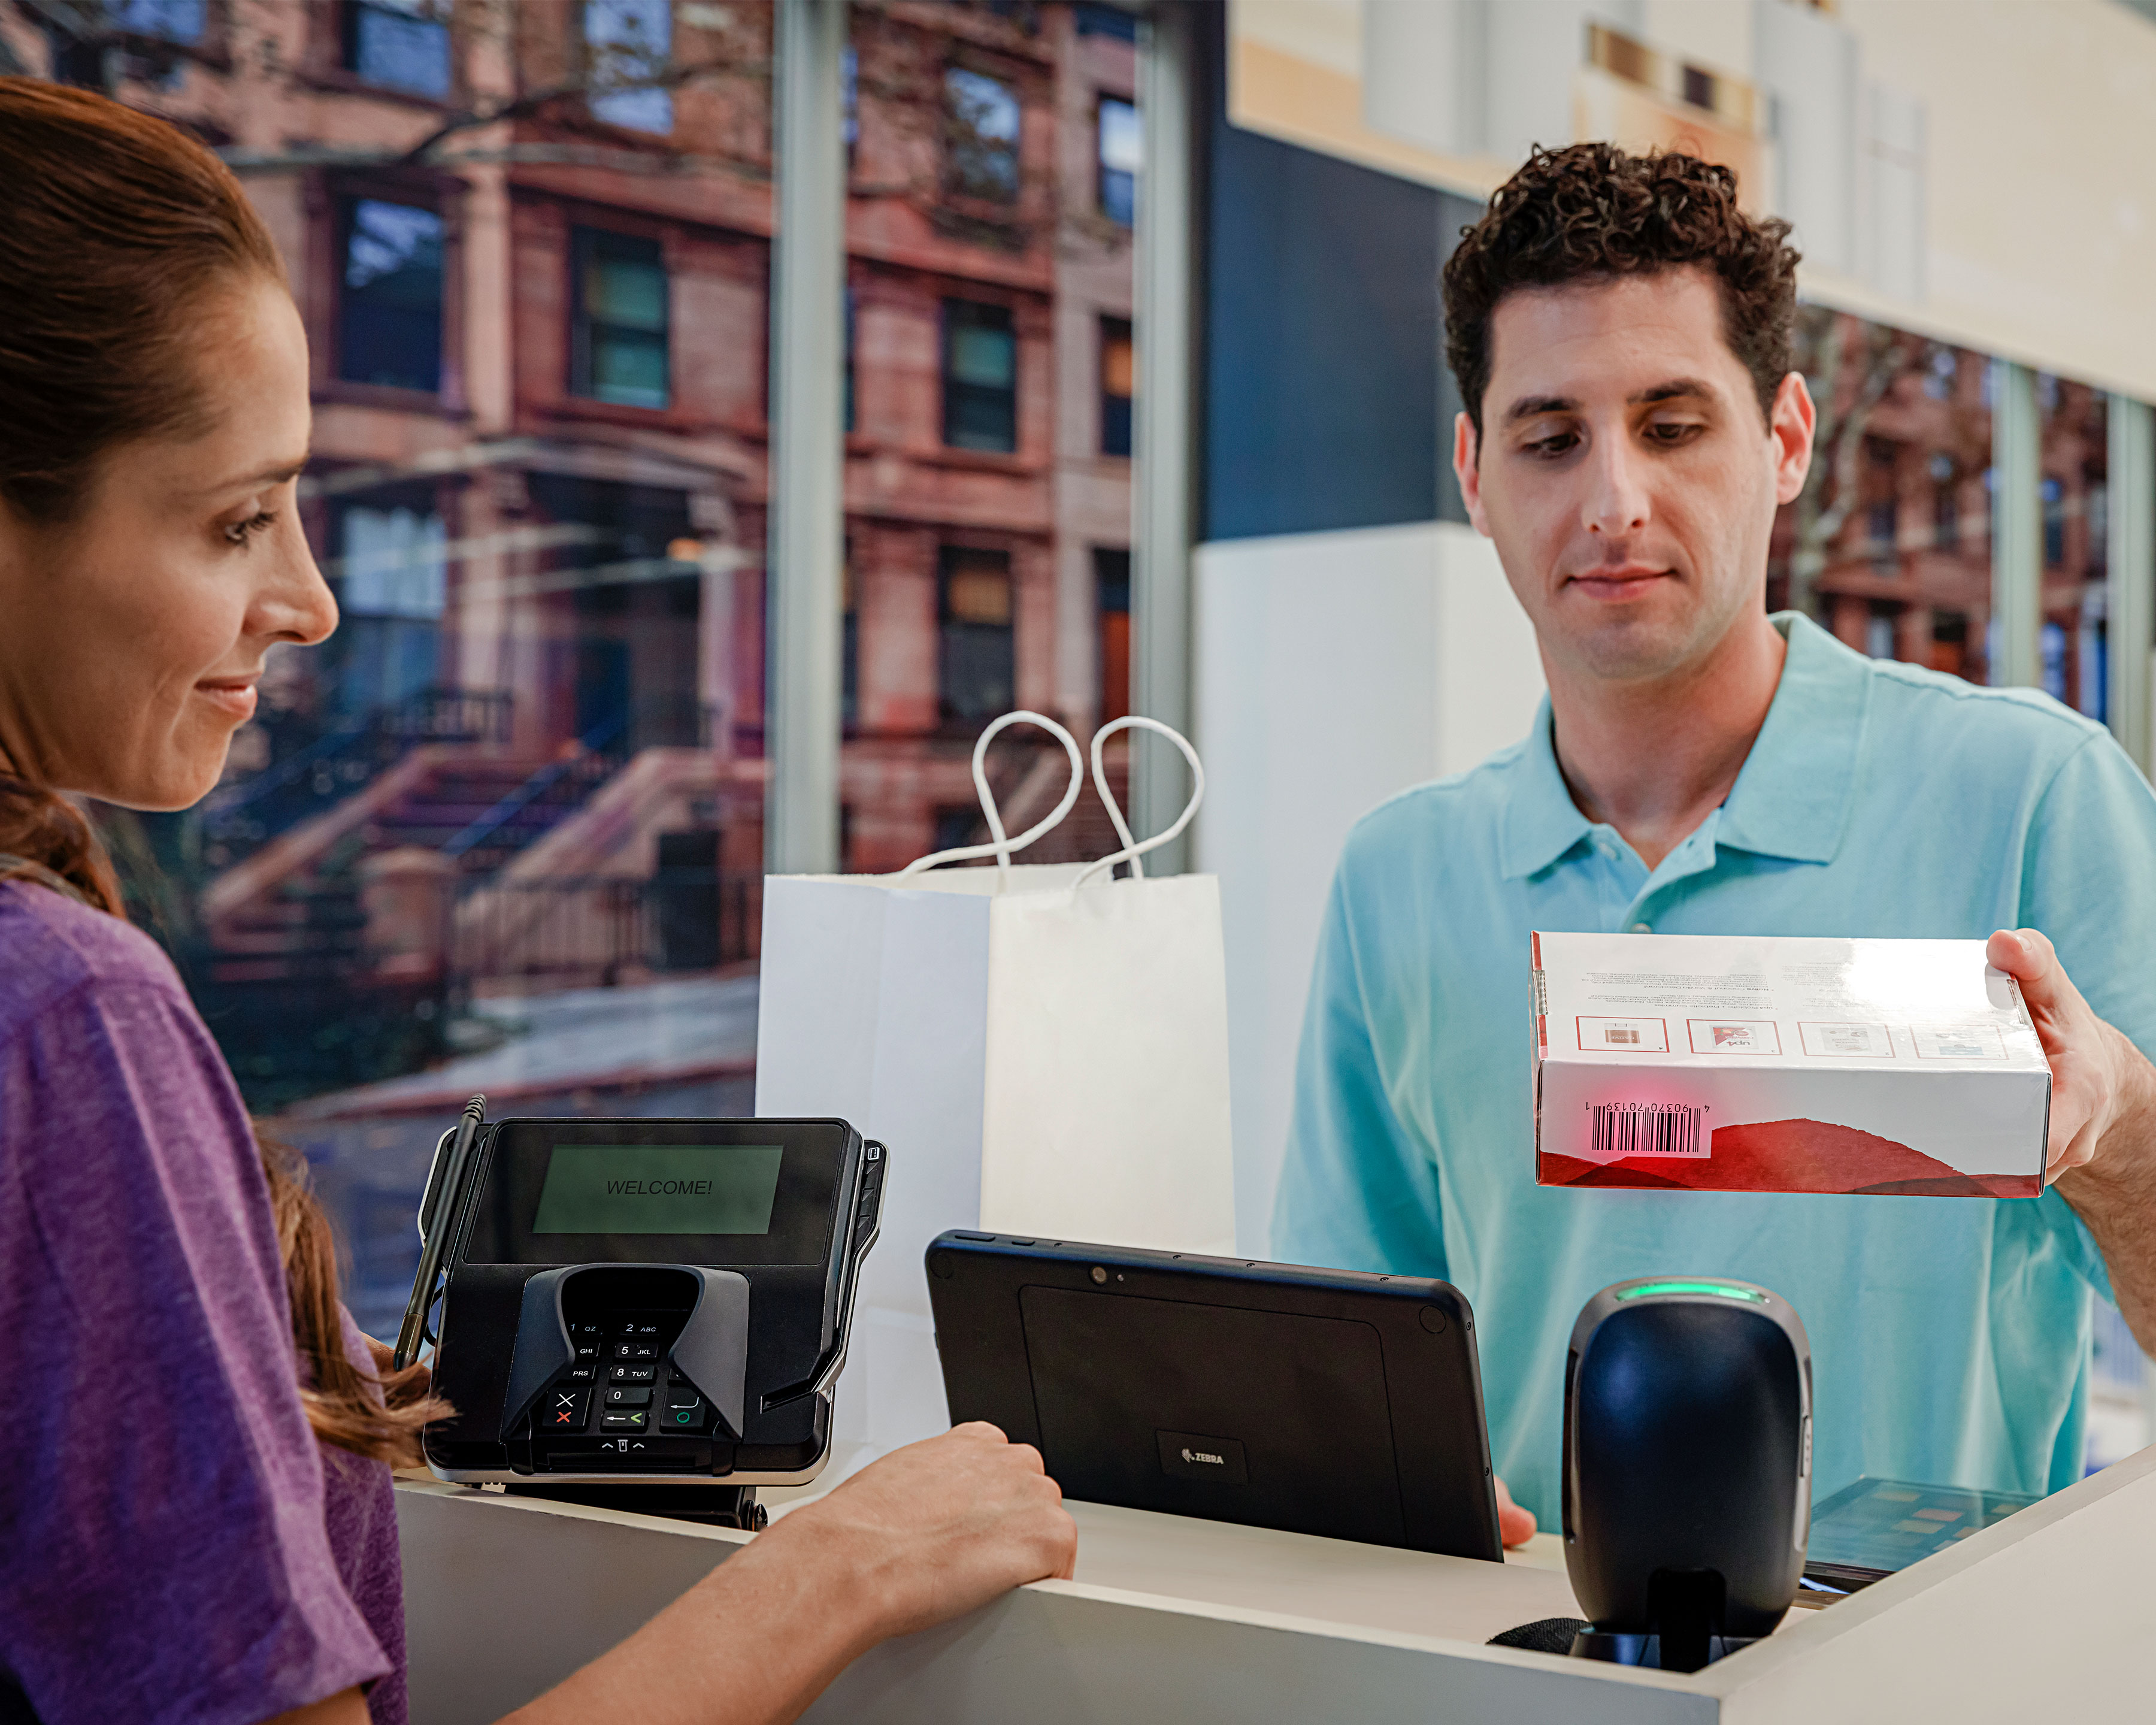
x,y
1687,1468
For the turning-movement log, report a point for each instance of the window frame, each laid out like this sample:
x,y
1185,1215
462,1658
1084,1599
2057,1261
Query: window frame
x,y
339,198
948,385
950,553
954,190
584,240
340,69
1102,101
646,137
1108,329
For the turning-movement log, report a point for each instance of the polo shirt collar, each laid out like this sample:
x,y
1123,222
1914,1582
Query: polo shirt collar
x,y
1791,797
1542,822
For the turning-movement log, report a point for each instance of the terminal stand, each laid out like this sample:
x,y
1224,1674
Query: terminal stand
x,y
708,1506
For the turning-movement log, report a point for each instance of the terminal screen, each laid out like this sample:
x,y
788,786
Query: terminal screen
x,y
658,1188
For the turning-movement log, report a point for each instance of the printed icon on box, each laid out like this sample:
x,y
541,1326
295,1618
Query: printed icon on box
x,y
1735,1036
1614,1035
1958,1042
1847,1041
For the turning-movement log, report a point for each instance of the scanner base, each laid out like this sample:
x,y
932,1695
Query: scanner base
x,y
1591,1643
712,1506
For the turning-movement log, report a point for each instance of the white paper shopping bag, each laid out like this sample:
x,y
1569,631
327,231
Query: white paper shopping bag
x,y
1043,1050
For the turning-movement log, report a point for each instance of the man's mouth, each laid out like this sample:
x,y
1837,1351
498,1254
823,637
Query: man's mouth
x,y
1616,585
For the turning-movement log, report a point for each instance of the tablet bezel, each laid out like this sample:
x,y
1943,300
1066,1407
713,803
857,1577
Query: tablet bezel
x,y
1424,1329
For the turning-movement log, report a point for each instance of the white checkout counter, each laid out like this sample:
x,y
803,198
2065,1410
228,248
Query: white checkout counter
x,y
2048,1615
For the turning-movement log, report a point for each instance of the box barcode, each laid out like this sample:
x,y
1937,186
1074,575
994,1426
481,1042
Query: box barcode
x,y
1621,1131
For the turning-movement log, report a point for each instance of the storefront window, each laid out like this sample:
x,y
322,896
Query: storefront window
x,y
540,492
1889,544
2074,452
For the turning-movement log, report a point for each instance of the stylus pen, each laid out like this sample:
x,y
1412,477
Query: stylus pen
x,y
436,1244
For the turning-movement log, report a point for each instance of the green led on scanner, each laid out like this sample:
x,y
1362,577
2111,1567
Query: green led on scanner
x,y
1727,1290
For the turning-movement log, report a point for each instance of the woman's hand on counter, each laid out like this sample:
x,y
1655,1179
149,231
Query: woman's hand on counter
x,y
935,1529
1514,1525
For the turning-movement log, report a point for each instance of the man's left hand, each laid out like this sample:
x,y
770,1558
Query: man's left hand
x,y
2096,1074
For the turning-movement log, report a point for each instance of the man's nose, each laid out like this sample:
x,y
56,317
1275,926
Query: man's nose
x,y
1616,505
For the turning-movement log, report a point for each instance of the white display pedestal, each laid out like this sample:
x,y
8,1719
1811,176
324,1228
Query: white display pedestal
x,y
2048,1615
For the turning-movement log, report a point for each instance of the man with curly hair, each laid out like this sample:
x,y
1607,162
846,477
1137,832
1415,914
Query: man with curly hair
x,y
1620,331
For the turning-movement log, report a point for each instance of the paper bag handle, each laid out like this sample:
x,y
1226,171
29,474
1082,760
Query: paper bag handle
x,y
1133,850
999,846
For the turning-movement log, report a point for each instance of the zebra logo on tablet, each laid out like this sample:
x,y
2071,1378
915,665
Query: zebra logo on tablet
x,y
1187,1456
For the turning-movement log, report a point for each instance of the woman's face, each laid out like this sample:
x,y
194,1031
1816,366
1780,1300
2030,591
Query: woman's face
x,y
132,637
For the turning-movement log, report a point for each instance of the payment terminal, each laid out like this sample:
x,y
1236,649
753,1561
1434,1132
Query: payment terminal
x,y
635,1304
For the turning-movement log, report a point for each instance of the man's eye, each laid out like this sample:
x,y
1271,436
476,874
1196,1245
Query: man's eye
x,y
1558,443
1673,431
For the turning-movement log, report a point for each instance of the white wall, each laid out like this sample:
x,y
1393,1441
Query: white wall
x,y
1333,670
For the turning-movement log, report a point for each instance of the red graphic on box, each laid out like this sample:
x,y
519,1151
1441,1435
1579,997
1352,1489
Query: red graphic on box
x,y
1792,1156
1735,1035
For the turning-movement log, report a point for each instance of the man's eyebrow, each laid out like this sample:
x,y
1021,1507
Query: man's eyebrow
x,y
1677,389
1527,406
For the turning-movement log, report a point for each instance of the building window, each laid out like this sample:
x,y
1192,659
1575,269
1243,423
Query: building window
x,y
981,117
1121,153
389,309
980,376
1946,503
1112,582
399,44
2054,498
392,576
976,661
1107,21
1883,527
619,349
168,20
630,44
1118,385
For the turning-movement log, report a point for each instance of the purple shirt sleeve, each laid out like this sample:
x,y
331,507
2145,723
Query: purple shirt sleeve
x,y
163,1553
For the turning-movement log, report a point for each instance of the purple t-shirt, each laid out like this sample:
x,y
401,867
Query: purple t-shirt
x,y
174,1544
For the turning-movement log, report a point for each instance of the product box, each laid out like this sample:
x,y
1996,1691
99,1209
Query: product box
x,y
1710,1063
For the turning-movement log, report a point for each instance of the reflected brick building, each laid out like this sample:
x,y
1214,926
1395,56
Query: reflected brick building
x,y
1890,546
532,243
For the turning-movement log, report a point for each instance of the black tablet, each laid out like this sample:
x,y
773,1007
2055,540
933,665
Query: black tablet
x,y
1319,1401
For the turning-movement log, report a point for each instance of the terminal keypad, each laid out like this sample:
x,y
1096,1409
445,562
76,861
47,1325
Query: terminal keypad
x,y
621,1381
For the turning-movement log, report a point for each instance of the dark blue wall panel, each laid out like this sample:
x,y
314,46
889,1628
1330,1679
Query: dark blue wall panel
x,y
1326,404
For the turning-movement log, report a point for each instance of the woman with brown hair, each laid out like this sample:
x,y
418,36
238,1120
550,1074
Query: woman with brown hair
x,y
197,1505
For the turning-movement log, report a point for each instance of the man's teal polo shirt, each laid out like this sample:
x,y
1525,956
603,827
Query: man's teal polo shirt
x,y
1950,1335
